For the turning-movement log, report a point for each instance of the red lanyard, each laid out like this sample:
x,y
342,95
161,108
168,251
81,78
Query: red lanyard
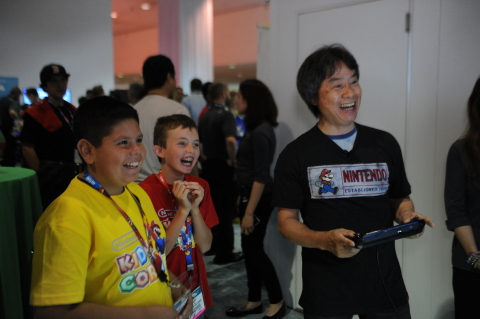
x,y
186,233
155,258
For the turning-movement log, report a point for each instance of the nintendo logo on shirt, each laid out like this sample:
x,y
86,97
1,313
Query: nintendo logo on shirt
x,y
341,181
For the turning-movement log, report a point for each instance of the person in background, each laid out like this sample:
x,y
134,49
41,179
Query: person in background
x,y
205,89
98,91
178,94
47,136
233,108
311,177
159,81
136,92
10,125
195,102
462,205
218,133
254,157
100,247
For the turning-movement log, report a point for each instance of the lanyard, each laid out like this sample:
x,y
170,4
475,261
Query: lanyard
x,y
186,233
69,123
155,258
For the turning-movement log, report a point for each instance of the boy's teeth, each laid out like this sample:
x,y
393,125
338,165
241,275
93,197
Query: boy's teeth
x,y
134,164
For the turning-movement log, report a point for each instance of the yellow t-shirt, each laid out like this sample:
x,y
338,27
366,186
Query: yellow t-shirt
x,y
85,251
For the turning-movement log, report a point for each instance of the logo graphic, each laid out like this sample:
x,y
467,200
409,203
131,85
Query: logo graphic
x,y
340,181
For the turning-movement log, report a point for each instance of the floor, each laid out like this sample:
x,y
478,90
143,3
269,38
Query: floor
x,y
228,286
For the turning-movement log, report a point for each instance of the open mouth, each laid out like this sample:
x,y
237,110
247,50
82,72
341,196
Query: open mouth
x,y
131,165
347,107
187,161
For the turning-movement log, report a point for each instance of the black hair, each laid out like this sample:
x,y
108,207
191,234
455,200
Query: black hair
x,y
32,91
216,90
205,88
317,67
168,123
196,85
155,70
96,118
261,105
472,134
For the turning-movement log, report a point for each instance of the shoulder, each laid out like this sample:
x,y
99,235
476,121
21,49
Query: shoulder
x,y
370,131
149,184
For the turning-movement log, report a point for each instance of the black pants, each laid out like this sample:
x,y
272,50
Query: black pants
x,y
259,267
224,194
466,293
403,313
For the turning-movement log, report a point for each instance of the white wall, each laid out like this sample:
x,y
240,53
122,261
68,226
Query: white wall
x,y
444,46
76,34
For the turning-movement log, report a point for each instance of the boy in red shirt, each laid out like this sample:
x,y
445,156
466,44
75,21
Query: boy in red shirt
x,y
183,204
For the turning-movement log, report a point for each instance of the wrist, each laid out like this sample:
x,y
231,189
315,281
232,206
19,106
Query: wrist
x,y
473,258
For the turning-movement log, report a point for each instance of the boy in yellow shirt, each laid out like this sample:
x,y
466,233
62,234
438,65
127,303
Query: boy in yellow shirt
x,y
99,247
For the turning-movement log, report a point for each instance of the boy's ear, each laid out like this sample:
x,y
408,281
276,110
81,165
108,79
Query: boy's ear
x,y
86,151
159,151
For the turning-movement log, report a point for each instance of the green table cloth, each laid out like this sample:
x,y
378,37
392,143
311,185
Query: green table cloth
x,y
20,209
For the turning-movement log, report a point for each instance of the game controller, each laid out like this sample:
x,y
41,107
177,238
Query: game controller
x,y
374,238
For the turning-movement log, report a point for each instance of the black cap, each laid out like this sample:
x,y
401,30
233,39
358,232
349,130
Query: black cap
x,y
51,70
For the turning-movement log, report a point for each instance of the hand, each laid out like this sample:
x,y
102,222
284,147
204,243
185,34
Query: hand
x,y
180,192
196,194
337,242
187,311
247,224
408,217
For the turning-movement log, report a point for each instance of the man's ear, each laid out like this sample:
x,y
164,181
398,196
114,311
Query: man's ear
x,y
86,151
159,151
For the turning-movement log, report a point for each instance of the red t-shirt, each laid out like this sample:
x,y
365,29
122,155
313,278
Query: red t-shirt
x,y
163,204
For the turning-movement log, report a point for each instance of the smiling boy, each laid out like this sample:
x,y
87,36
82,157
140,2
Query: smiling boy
x,y
182,202
99,247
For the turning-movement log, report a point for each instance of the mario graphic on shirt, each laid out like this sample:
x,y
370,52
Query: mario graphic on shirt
x,y
325,184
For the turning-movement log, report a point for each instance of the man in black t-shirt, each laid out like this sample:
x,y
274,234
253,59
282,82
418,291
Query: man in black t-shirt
x,y
217,131
48,144
344,178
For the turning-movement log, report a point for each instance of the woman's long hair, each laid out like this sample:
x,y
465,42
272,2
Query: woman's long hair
x,y
261,105
472,134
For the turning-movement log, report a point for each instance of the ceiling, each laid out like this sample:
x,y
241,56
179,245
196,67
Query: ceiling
x,y
132,18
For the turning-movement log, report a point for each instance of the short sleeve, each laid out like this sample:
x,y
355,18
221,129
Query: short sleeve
x,y
287,188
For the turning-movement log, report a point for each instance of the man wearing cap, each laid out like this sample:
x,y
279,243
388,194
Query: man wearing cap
x,y
47,135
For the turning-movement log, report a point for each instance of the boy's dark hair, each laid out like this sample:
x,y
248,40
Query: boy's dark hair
x,y
317,67
155,71
96,118
168,123
216,90
261,105
196,85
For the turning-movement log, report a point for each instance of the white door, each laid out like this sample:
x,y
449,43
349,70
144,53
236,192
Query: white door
x,y
374,32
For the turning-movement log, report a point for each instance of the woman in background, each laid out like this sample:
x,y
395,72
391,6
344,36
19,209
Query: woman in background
x,y
462,204
254,157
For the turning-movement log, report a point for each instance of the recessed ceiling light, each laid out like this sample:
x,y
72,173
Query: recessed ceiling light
x,y
145,6
114,15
